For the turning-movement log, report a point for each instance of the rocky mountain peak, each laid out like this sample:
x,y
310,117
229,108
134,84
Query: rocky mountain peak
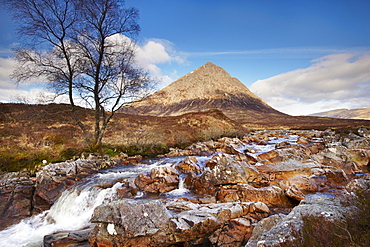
x,y
206,88
209,81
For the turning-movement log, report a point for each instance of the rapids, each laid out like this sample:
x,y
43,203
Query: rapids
x,y
73,210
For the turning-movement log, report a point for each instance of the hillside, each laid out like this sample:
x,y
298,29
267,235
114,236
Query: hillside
x,y
32,133
361,113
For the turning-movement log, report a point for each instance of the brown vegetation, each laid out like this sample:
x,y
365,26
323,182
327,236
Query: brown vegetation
x,y
30,134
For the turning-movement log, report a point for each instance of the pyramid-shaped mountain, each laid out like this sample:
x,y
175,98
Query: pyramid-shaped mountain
x,y
206,88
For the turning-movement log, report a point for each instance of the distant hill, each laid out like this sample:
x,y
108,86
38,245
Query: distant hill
x,y
207,88
361,113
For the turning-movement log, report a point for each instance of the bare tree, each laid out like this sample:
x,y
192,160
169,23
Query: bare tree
x,y
83,49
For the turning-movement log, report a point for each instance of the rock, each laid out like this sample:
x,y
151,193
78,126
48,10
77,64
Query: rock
x,y
261,228
192,225
121,221
16,195
53,179
294,193
364,132
69,239
288,168
192,222
160,180
360,143
188,165
225,170
234,233
133,160
127,190
304,183
360,156
271,195
126,223
336,177
358,185
289,230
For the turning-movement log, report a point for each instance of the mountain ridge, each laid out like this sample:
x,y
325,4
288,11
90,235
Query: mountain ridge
x,y
359,113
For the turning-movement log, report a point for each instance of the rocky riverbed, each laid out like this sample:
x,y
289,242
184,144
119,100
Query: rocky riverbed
x,y
258,190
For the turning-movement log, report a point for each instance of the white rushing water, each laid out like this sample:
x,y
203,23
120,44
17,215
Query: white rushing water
x,y
73,210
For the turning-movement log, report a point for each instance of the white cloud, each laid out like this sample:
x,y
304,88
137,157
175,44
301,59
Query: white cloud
x,y
155,52
150,56
6,69
331,82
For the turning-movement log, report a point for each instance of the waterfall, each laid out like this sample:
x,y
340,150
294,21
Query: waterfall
x,y
181,190
72,211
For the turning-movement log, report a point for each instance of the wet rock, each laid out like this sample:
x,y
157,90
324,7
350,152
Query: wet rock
x,y
189,165
53,179
68,238
127,190
15,200
160,180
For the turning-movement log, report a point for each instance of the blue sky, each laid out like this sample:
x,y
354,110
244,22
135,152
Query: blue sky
x,y
300,56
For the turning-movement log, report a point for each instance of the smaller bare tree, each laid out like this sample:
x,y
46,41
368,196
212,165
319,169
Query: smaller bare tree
x,y
83,49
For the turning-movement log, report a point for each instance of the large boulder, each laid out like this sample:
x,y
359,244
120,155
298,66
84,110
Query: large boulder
x,y
225,170
149,223
69,238
294,229
130,218
159,180
289,168
273,196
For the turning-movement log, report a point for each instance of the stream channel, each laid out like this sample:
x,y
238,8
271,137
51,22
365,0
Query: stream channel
x,y
74,208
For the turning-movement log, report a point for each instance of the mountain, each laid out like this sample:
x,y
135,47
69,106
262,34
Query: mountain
x,y
361,113
206,88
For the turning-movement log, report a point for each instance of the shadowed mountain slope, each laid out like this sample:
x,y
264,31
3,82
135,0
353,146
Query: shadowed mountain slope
x,y
206,88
